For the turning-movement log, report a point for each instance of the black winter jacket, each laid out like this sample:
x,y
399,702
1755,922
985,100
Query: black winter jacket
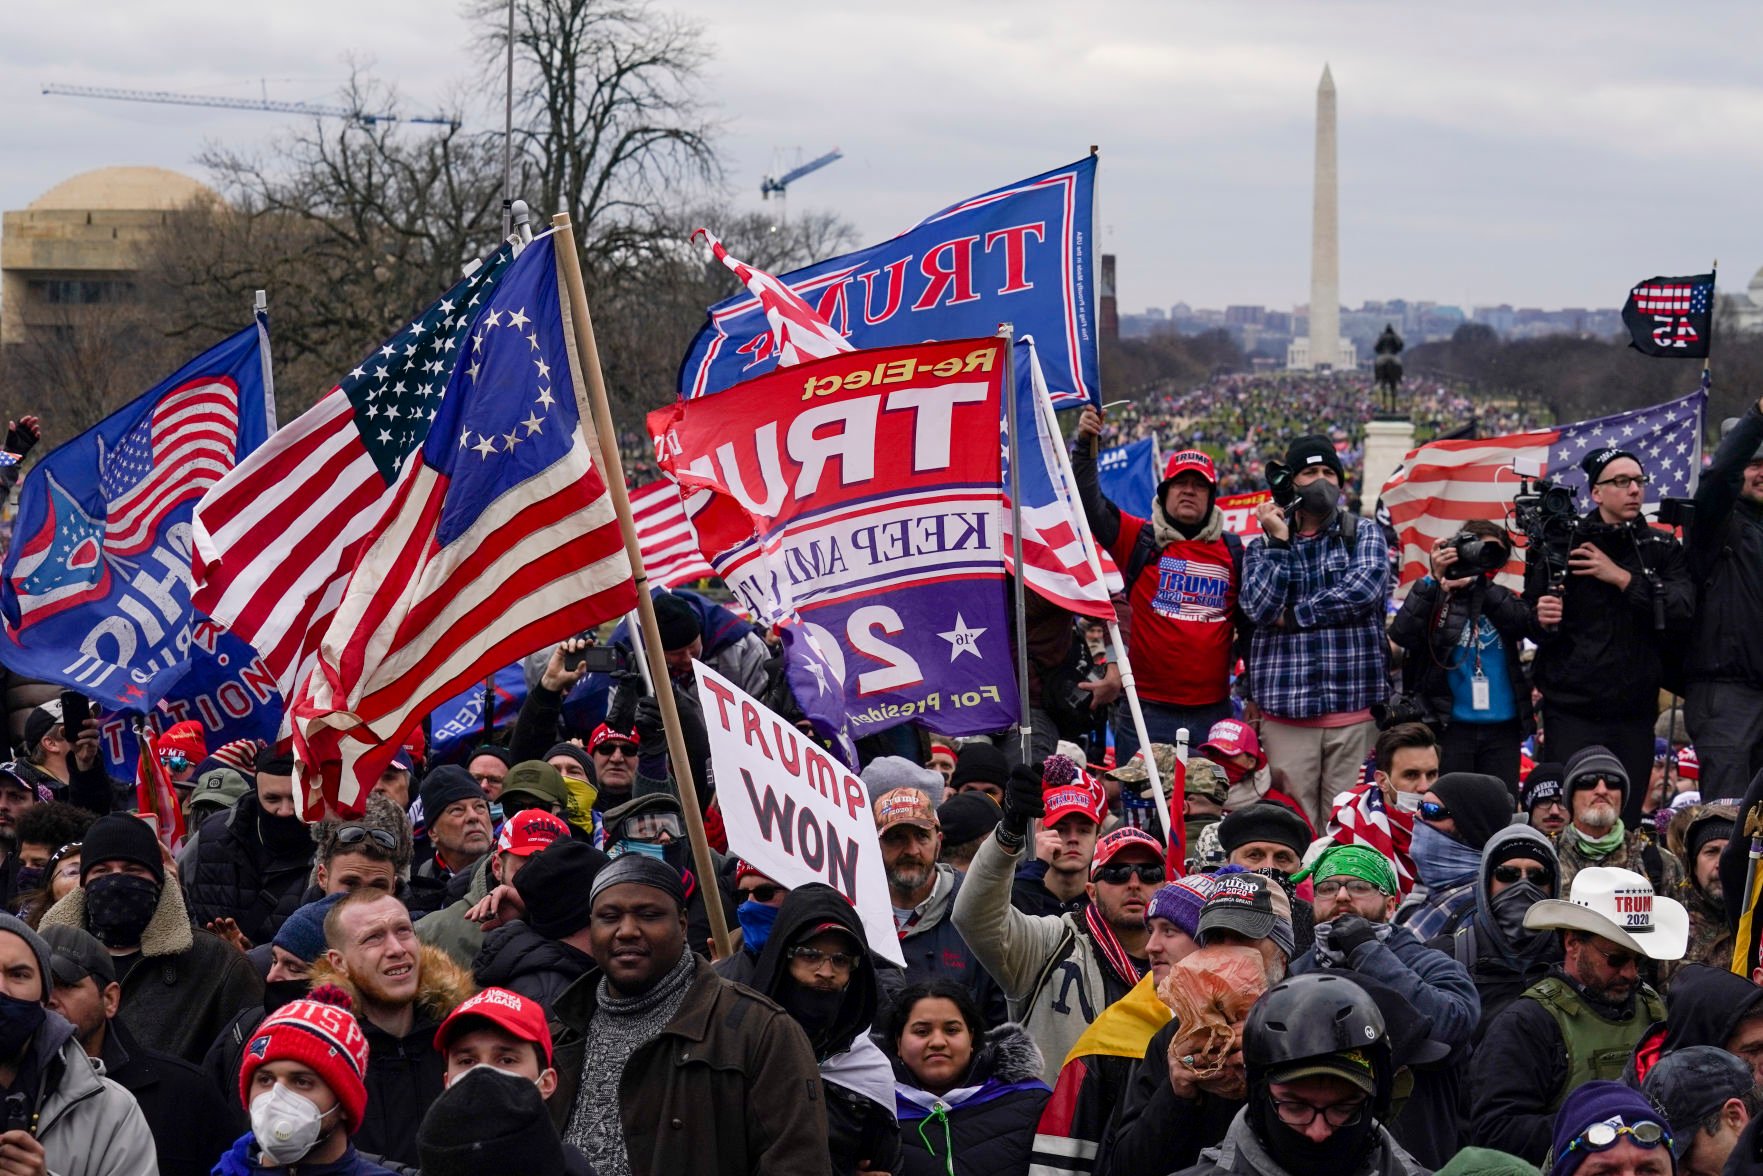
x,y
1159,1132
1429,627
1726,558
191,1125
518,958
989,1132
239,875
1608,657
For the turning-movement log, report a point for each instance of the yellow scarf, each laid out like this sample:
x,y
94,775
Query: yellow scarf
x,y
1125,1027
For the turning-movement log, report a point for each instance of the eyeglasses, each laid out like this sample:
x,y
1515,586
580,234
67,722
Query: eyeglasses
x,y
842,961
487,778
1296,1113
1599,1136
1118,875
1357,887
610,748
1553,802
1510,874
1432,810
356,834
764,892
1624,481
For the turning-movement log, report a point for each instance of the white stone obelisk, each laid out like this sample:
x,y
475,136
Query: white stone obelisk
x,y
1325,241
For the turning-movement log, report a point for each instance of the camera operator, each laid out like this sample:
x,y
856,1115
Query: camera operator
x,y
1602,634
1460,631
1724,707
1314,586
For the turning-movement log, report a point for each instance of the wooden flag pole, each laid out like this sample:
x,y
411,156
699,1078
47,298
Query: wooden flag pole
x,y
612,468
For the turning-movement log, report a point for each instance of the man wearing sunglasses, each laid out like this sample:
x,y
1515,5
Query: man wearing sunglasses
x,y
1581,1022
1456,817
1599,791
1603,636
1607,1129
1504,957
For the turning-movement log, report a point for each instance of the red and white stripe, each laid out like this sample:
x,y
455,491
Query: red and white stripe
x,y
1444,484
1360,817
671,555
797,332
276,538
1663,299
193,436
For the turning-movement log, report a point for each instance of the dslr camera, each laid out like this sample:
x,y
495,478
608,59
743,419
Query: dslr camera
x,y
1546,514
1477,554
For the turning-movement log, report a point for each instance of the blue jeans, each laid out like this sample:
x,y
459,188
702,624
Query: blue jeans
x,y
1162,722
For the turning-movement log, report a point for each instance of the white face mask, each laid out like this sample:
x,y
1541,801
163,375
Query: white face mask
x,y
286,1125
1408,802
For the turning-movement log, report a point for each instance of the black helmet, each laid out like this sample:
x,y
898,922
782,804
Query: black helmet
x,y
1308,1018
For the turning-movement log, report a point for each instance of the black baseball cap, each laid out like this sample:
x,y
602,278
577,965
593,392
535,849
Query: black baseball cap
x,y
1689,1084
75,954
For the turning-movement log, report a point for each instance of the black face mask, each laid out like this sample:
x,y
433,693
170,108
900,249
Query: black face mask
x,y
1508,909
19,1022
285,836
277,993
1343,1151
119,907
1319,497
813,1009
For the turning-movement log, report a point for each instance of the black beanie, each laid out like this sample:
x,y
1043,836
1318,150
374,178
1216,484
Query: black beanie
x,y
1481,805
1705,828
487,1123
1314,450
555,883
1264,821
968,816
980,763
678,623
121,837
1594,462
447,785
1587,764
1547,781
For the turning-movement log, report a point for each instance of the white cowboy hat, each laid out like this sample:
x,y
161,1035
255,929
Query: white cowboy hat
x,y
1620,906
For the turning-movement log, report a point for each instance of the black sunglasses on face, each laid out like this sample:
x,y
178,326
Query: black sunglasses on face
x,y
1511,874
1149,873
764,892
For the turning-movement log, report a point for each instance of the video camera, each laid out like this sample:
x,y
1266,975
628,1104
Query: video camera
x,y
1545,513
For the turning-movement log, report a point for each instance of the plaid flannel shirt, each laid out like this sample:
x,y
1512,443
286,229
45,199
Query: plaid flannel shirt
x,y
1330,656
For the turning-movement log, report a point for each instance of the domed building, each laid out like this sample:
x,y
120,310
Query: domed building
x,y
76,246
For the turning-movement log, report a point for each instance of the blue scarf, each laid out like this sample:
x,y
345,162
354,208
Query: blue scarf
x,y
757,920
1441,860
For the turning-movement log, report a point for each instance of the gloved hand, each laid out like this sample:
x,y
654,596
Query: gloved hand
x,y
651,734
627,688
1022,800
1337,939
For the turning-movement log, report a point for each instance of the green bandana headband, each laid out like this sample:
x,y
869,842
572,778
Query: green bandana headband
x,y
1356,861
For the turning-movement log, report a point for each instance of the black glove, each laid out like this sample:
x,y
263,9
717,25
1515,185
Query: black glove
x,y
651,734
627,688
1348,932
21,437
1022,800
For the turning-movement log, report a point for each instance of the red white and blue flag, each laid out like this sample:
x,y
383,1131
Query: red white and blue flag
x,y
1444,484
501,538
665,535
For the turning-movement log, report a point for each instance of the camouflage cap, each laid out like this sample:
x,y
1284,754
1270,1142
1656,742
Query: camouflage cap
x,y
1205,779
1133,771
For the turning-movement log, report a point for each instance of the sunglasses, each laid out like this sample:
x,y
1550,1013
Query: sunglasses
x,y
1617,959
356,834
611,747
1510,874
1432,810
812,956
1599,1136
764,892
1118,875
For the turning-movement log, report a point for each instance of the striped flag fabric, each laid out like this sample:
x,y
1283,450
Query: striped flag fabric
x,y
664,532
1445,484
500,538
1360,817
797,332
277,538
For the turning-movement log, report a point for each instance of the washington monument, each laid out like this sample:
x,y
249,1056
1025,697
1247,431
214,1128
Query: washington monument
x,y
1322,349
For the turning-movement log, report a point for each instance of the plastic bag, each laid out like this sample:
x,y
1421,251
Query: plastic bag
x,y
1210,992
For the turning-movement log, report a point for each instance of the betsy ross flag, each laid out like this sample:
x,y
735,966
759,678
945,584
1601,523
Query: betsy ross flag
x,y
666,536
500,538
277,538
1444,484
1671,317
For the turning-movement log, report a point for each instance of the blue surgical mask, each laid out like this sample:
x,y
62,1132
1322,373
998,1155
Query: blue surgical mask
x,y
757,920
652,849
1439,858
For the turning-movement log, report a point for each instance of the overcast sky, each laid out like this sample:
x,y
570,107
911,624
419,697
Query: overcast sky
x,y
1533,153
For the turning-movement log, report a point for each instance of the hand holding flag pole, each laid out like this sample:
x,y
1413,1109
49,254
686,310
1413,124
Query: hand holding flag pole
x,y
589,357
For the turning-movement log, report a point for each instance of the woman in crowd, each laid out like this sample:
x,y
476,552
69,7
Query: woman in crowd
x,y
968,1100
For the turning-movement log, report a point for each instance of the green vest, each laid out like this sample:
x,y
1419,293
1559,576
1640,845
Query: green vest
x,y
1596,1048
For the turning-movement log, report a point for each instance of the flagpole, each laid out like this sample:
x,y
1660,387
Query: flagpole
x,y
1128,683
260,312
508,131
1713,313
612,467
1025,722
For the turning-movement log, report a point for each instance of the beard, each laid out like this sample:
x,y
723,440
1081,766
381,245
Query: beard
x,y
1599,817
375,993
908,876
1713,890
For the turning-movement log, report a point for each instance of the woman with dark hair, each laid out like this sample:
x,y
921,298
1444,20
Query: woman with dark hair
x,y
968,1100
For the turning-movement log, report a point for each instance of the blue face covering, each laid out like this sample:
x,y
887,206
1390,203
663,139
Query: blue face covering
x,y
495,814
757,920
652,849
1440,859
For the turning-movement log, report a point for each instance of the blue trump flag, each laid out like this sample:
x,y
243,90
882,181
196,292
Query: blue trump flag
x,y
95,590
1128,474
1022,253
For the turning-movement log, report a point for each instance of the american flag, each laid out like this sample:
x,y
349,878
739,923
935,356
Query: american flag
x,y
173,455
1360,817
500,538
797,332
1674,297
1445,484
277,538
670,544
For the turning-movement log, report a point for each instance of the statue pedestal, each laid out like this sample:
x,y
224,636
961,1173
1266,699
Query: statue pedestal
x,y
1387,442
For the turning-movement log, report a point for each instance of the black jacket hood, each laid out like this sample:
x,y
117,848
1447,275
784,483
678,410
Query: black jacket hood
x,y
804,910
1706,1006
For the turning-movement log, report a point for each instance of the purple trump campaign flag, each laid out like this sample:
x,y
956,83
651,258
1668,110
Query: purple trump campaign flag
x,y
1022,253
96,585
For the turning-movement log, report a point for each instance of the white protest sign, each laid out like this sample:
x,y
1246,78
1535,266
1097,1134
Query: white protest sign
x,y
792,809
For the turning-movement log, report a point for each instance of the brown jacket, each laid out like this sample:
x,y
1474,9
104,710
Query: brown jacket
x,y
728,1088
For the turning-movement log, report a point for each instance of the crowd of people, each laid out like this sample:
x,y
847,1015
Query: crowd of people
x,y
1465,890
